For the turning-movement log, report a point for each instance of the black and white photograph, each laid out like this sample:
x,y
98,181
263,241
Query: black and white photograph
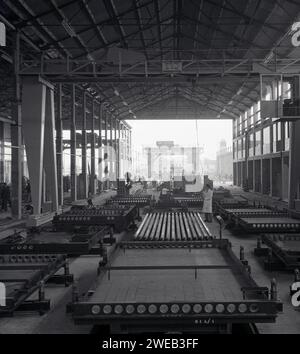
x,y
149,170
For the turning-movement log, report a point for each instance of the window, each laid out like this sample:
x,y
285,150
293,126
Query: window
x,y
239,126
234,150
287,135
243,147
266,141
258,143
239,149
287,90
251,114
270,87
6,153
277,137
251,144
234,128
257,112
245,121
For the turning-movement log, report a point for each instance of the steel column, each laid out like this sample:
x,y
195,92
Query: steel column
x,y
111,164
294,167
116,148
50,149
16,137
83,185
126,149
93,174
33,110
100,152
59,146
105,157
129,147
73,145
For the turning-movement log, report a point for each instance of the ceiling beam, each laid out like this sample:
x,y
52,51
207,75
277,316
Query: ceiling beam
x,y
200,9
25,23
112,12
102,23
158,23
215,29
43,32
61,17
224,32
91,17
138,18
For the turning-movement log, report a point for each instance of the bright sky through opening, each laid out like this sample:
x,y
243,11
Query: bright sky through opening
x,y
183,132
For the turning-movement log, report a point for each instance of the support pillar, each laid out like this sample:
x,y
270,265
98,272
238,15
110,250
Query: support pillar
x,y
126,150
59,146
121,152
73,145
16,137
100,150
119,149
38,129
294,166
50,166
111,164
261,177
33,110
271,177
116,147
105,157
130,152
93,174
84,184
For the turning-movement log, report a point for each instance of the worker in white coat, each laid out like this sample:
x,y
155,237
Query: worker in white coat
x,y
207,203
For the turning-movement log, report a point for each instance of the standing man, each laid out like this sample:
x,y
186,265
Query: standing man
x,y
207,203
128,183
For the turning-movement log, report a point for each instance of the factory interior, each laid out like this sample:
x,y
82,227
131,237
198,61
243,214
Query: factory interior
x,y
149,167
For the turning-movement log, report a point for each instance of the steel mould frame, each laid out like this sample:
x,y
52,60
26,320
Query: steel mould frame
x,y
117,217
256,227
178,201
81,242
289,259
258,304
17,300
230,203
137,200
234,214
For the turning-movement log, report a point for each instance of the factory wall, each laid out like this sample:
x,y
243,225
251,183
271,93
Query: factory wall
x,y
261,153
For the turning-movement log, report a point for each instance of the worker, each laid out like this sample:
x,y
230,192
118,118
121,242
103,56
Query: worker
x,y
128,183
90,201
207,203
28,192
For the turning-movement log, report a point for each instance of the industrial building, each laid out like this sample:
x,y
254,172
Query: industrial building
x,y
98,238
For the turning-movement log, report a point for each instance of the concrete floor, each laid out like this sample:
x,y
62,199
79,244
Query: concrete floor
x,y
289,320
84,270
